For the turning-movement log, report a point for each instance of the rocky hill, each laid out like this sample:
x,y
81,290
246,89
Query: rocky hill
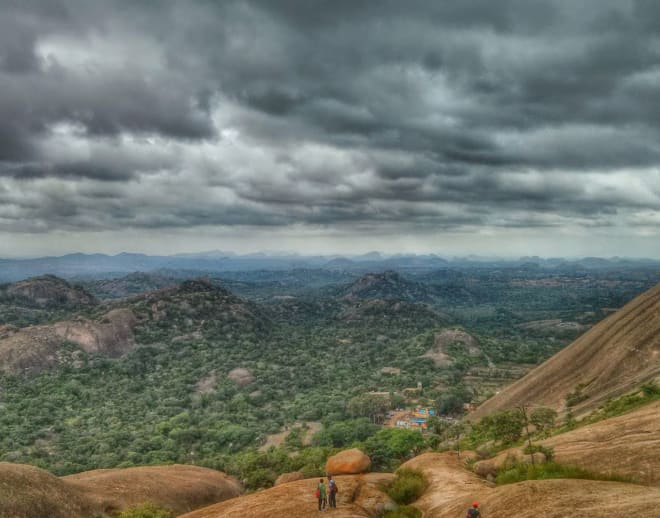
x,y
129,285
46,291
30,492
388,285
180,313
30,350
178,487
613,357
193,305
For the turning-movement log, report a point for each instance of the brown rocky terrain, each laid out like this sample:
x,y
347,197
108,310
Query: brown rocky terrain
x,y
559,498
358,496
178,487
30,350
30,492
452,490
47,290
613,357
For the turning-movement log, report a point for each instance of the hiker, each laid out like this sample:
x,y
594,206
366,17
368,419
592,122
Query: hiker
x,y
320,495
332,492
473,512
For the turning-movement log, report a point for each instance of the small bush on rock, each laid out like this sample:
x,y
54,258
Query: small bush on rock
x,y
408,486
405,511
147,510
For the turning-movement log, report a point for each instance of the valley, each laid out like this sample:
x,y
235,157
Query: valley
x,y
211,369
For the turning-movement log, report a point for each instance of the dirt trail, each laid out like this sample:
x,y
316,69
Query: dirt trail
x,y
448,481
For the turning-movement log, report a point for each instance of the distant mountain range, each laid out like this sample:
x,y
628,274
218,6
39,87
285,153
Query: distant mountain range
x,y
98,265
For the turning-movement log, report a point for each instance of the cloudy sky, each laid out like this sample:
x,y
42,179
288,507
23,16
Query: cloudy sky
x,y
495,127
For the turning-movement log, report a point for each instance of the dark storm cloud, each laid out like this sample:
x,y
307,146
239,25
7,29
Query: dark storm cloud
x,y
174,114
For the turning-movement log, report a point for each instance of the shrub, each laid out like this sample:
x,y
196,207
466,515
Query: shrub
x,y
485,451
543,418
505,426
520,472
548,451
147,510
405,511
408,486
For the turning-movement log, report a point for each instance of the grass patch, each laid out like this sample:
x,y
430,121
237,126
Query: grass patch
x,y
614,407
550,470
408,486
405,511
147,510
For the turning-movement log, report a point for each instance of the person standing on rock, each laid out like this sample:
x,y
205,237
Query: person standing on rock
x,y
321,495
473,512
332,492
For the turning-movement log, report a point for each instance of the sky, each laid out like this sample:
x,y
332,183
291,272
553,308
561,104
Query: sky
x,y
506,128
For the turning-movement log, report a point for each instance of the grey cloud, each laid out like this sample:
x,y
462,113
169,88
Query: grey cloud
x,y
422,113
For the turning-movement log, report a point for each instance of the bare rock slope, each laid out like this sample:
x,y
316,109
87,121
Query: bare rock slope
x,y
47,290
613,357
452,490
30,492
32,349
178,487
359,496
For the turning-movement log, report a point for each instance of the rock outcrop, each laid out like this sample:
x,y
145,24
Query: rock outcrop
x,y
31,350
48,290
348,462
241,376
358,496
29,492
181,488
452,490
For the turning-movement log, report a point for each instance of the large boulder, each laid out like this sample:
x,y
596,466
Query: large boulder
x,y
31,492
348,462
178,487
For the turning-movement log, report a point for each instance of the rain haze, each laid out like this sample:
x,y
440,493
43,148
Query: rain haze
x,y
497,128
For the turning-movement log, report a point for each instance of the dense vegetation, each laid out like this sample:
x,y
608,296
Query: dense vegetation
x,y
312,352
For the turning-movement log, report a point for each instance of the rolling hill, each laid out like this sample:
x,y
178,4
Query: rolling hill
x,y
30,492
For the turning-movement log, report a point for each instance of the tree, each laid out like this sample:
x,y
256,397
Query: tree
x,y
389,446
372,406
505,426
543,418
